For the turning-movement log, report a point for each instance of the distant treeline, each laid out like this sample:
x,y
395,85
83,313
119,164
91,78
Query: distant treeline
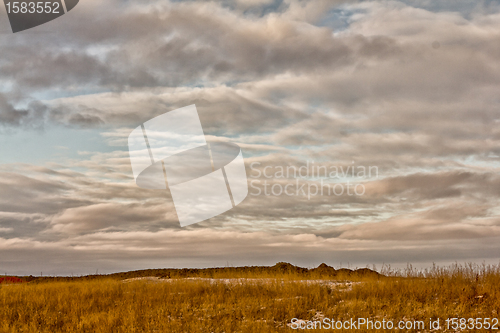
x,y
281,269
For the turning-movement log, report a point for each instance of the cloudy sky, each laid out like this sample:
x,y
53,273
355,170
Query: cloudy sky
x,y
408,87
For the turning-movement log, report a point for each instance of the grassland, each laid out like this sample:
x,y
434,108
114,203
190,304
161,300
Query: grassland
x,y
247,300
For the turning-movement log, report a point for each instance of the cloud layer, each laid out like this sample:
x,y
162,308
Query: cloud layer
x,y
408,87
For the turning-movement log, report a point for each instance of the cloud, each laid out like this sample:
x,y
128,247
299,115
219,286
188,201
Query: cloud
x,y
410,87
120,251
93,218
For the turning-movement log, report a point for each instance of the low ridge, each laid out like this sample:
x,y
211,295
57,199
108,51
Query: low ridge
x,y
280,269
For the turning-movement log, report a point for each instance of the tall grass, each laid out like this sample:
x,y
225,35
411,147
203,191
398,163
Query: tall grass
x,y
185,305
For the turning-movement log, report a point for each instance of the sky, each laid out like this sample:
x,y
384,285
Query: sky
x,y
407,88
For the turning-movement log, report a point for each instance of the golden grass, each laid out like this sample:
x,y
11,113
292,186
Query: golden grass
x,y
197,305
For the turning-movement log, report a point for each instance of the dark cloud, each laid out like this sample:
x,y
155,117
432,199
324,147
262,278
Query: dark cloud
x,y
32,116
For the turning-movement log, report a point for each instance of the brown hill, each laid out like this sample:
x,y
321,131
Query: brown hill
x,y
281,269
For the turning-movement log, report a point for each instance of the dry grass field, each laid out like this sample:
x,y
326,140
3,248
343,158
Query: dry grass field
x,y
230,302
